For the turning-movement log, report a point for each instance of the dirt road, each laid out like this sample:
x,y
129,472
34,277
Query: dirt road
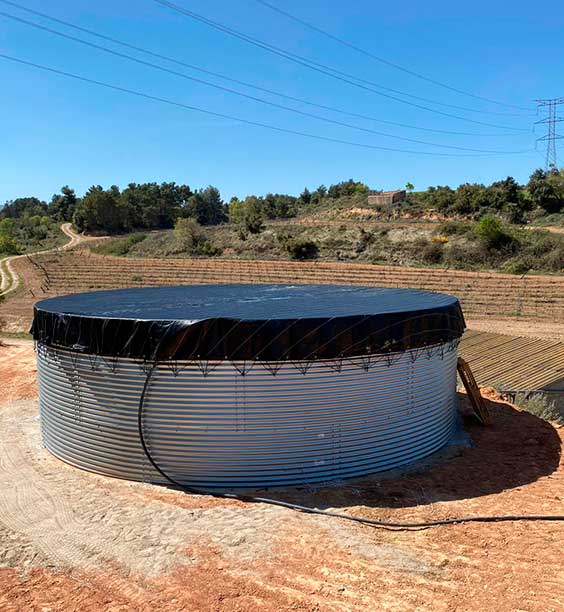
x,y
73,541
9,280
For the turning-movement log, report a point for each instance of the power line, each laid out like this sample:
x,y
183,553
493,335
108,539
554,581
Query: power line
x,y
329,71
323,68
241,94
382,60
240,82
241,120
552,118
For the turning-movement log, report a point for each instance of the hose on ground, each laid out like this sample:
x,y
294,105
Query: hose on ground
x,y
404,526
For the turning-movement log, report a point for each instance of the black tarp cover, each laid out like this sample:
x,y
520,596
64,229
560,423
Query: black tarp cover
x,y
247,322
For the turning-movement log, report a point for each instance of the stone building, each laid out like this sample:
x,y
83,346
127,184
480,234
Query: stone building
x,y
386,198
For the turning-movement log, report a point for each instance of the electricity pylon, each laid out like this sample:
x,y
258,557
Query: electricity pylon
x,y
551,119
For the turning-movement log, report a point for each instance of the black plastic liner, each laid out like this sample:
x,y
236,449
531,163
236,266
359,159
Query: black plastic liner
x,y
247,322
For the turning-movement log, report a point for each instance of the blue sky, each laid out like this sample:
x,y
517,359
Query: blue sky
x,y
56,131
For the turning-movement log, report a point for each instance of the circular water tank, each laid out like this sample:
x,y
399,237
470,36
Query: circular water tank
x,y
247,385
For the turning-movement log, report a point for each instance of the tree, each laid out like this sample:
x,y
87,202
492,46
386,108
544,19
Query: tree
x,y
469,199
252,215
305,197
440,198
154,206
63,205
347,189
7,227
100,210
409,187
141,205
172,201
236,210
22,207
206,206
279,205
509,191
319,194
547,190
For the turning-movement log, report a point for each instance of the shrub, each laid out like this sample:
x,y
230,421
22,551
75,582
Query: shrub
x,y
189,235
541,219
518,265
464,255
492,234
8,246
542,251
540,243
302,249
191,239
207,249
365,239
121,246
249,214
554,261
254,221
283,238
540,406
453,228
515,213
432,252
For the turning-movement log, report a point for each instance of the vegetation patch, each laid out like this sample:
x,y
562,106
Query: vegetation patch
x,y
29,233
191,239
486,245
301,249
479,224
540,406
120,246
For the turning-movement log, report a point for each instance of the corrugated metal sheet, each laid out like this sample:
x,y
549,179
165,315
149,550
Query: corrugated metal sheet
x,y
225,429
513,363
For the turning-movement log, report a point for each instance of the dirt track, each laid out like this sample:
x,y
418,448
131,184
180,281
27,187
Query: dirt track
x,y
9,277
75,541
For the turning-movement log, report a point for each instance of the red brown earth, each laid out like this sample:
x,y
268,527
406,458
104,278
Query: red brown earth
x,y
228,556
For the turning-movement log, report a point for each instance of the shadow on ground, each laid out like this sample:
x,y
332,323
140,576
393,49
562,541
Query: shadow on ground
x,y
519,448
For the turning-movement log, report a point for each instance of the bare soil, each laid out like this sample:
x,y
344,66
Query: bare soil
x,y
17,370
73,541
549,330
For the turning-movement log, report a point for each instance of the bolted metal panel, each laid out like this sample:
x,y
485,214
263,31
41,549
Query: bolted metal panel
x,y
206,424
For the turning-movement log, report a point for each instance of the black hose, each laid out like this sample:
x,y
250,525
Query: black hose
x,y
309,510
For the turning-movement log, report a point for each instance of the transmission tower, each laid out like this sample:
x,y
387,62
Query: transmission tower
x,y
551,119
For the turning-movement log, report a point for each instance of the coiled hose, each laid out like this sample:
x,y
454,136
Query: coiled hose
x,y
402,526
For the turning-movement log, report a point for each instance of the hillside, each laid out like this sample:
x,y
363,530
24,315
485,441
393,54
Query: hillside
x,y
457,245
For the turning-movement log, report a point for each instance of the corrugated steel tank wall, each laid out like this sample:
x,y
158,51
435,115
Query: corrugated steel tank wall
x,y
310,422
